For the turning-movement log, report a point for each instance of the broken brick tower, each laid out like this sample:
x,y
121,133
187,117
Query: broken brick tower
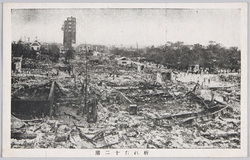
x,y
69,32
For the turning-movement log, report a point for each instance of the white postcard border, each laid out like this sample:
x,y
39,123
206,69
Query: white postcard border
x,y
6,114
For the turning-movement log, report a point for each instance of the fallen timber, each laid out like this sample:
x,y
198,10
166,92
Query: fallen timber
x,y
122,97
23,136
211,110
157,94
132,108
197,99
190,118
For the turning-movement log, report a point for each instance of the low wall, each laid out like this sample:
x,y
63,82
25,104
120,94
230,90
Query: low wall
x,y
31,108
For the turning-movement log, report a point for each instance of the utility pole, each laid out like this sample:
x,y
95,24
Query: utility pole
x,y
86,77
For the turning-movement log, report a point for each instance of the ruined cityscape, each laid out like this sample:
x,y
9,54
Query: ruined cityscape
x,y
89,96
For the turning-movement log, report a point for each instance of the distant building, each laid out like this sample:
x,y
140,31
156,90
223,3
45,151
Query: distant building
x,y
99,54
174,76
84,48
36,46
17,63
96,53
94,60
140,66
195,68
124,61
62,50
161,77
69,32
149,77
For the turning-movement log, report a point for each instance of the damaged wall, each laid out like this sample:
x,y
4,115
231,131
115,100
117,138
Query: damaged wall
x,y
27,109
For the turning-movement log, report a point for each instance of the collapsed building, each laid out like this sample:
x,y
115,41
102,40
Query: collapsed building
x,y
134,107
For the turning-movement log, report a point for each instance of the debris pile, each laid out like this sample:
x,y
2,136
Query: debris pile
x,y
132,112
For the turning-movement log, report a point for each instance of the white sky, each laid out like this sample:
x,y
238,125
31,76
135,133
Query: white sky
x,y
128,26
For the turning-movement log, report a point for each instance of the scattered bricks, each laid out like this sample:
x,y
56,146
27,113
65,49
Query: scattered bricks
x,y
45,128
63,129
111,139
16,123
235,140
163,121
123,126
61,137
158,121
157,143
133,109
132,133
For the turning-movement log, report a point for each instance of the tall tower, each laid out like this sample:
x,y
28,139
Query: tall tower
x,y
69,32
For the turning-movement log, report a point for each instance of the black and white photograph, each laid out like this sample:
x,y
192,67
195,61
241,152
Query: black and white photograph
x,y
121,81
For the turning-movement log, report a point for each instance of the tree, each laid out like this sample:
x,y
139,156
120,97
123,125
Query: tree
x,y
234,58
180,56
22,49
54,52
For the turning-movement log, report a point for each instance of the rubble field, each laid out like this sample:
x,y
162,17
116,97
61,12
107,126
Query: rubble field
x,y
132,111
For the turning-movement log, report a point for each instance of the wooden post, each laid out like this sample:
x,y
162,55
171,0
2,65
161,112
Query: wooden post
x,y
51,97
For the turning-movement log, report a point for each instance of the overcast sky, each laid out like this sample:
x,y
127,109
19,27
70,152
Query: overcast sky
x,y
128,26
